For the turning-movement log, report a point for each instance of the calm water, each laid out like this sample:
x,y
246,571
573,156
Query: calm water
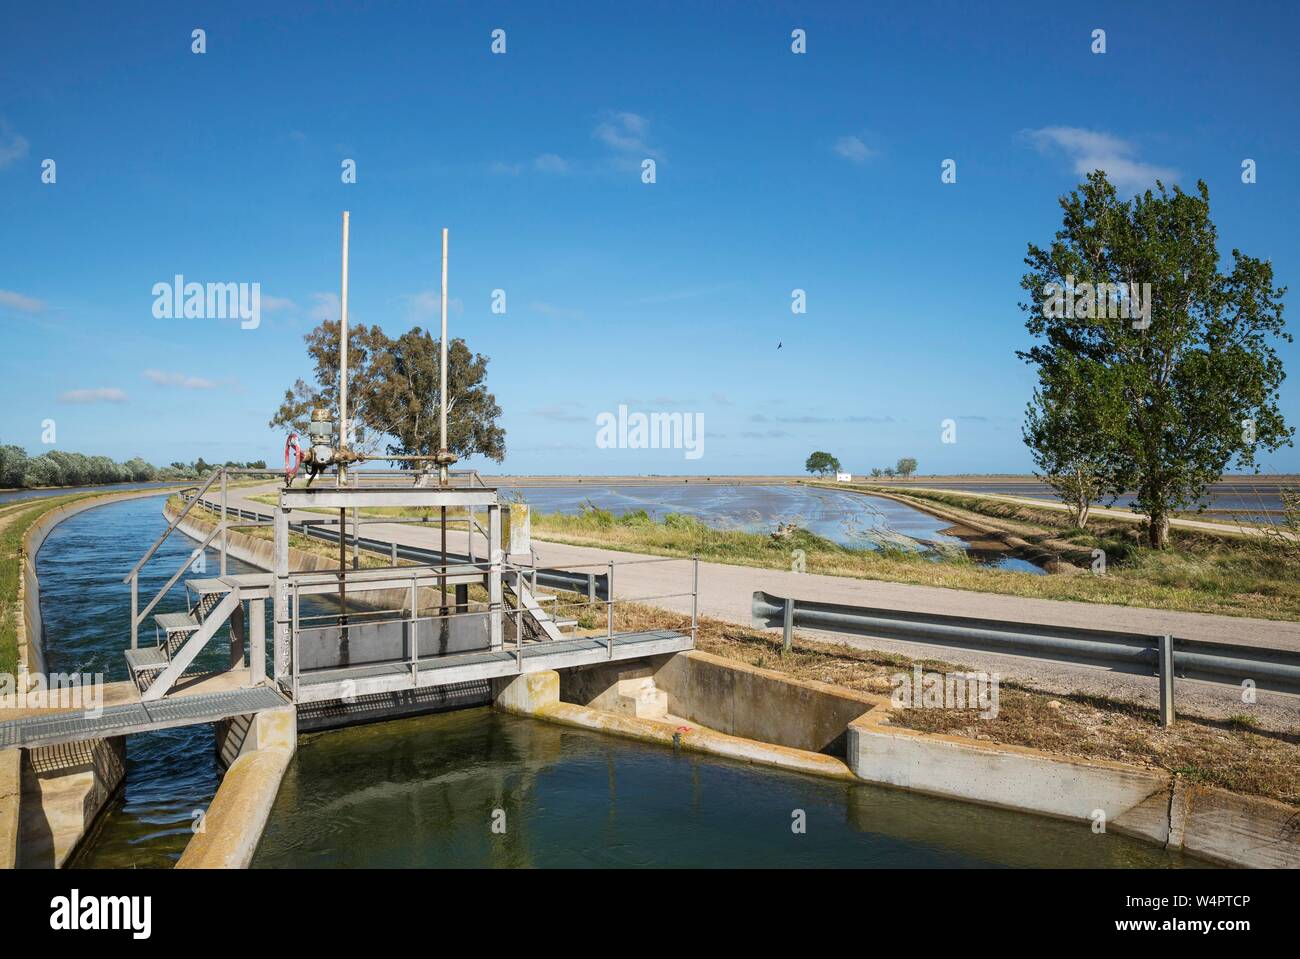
x,y
422,793
87,613
844,517
10,496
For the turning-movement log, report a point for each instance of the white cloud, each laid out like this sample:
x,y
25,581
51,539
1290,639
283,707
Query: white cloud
x,y
549,309
273,304
854,150
13,147
179,379
551,163
325,306
625,132
102,394
1097,150
16,301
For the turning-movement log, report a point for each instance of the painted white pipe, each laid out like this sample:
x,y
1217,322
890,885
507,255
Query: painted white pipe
x,y
442,372
343,355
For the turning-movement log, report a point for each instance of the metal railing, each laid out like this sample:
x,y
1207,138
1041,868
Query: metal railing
x,y
427,577
1144,655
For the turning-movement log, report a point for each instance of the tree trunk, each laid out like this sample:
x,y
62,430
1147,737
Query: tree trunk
x,y
1158,531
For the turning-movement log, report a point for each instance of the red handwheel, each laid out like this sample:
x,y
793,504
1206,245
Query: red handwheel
x,y
292,458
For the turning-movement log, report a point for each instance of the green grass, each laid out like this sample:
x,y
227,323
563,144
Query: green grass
x,y
1199,574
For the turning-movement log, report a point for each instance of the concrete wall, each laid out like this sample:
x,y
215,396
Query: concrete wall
x,y
734,698
1149,804
233,824
64,788
11,764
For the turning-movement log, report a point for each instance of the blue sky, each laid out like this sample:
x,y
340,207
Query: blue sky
x,y
775,171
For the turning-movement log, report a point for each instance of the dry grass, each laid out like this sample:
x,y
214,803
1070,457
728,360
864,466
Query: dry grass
x,y
1233,754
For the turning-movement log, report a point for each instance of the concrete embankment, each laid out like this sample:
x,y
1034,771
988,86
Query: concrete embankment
x,y
229,832
713,705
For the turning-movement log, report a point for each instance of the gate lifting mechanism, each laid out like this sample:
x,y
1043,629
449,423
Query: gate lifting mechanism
x,y
319,454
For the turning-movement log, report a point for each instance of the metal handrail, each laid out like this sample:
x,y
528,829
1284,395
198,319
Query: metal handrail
x,y
195,554
174,523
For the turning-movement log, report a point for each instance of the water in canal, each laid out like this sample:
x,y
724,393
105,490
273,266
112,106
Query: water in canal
x,y
422,792
86,608
428,792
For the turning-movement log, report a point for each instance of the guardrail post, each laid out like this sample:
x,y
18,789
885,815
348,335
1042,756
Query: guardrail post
x,y
1166,681
393,547
787,628
695,599
609,612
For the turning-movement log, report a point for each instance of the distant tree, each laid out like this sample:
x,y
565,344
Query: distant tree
x,y
13,465
876,471
822,464
1189,359
906,466
888,471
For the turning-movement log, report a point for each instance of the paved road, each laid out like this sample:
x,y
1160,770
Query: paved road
x,y
726,592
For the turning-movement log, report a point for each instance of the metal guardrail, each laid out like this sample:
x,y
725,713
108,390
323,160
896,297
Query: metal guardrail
x,y
1167,657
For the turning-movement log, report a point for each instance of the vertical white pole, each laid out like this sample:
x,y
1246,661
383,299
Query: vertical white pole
x,y
442,367
343,354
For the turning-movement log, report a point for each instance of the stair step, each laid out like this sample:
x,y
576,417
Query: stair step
x,y
144,664
145,659
545,597
565,623
202,586
177,622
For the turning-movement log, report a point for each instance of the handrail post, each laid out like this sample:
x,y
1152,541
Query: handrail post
x,y
609,612
135,608
294,646
519,630
415,628
224,533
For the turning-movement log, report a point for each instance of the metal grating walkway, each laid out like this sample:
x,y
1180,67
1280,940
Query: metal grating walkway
x,y
75,726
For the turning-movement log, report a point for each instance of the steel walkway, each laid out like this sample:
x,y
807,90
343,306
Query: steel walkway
x,y
53,729
385,677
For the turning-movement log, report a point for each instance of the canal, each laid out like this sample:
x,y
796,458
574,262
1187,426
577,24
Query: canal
x,y
426,791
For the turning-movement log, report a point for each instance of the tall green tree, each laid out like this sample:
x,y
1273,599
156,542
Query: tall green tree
x,y
821,463
906,466
1132,291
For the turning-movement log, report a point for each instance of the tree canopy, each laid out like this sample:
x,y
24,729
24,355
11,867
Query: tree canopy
x,y
393,392
1155,368
821,463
